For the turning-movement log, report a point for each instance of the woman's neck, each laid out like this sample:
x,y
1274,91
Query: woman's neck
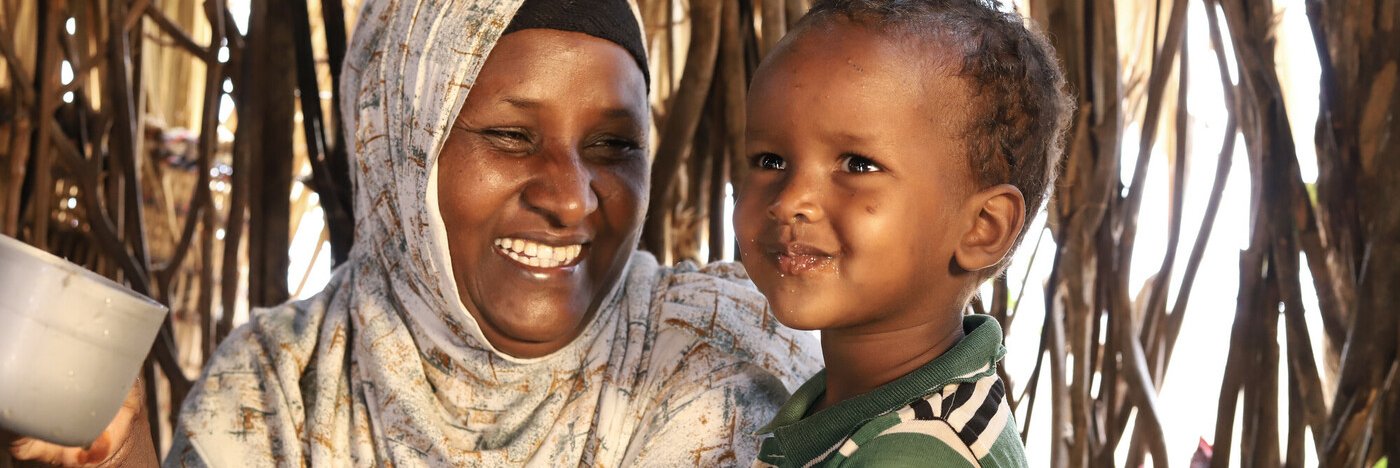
x,y
860,361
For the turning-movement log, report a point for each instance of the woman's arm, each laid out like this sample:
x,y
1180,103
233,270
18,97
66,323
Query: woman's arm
x,y
708,421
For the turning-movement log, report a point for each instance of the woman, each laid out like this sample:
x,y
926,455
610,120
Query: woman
x,y
494,310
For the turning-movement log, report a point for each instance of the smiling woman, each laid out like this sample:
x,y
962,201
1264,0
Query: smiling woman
x,y
548,185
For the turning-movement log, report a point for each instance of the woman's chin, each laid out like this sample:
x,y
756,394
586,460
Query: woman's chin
x,y
533,335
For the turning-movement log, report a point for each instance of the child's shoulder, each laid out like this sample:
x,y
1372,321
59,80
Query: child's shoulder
x,y
967,421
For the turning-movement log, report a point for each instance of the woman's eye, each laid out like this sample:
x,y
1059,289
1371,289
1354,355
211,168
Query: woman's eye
x,y
619,144
770,162
859,164
509,140
615,149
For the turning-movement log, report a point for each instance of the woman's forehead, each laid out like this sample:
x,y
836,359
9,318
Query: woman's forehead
x,y
540,69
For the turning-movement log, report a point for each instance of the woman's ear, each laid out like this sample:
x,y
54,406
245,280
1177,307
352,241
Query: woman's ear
x,y
998,212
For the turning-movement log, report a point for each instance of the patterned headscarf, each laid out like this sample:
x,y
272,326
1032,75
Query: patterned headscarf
x,y
387,367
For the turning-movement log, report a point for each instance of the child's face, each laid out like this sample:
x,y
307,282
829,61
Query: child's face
x,y
853,204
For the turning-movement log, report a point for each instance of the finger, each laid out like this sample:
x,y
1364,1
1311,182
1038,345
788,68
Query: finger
x,y
44,452
118,429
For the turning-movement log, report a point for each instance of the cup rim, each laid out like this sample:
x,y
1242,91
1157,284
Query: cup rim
x,y
28,253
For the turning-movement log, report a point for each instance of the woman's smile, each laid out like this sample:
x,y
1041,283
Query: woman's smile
x,y
548,256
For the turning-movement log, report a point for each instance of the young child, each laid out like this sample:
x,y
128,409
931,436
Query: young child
x,y
898,148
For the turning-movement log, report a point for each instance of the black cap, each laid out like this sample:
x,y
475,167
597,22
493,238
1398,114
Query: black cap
x,y
604,19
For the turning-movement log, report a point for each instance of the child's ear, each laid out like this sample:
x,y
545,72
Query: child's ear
x,y
998,213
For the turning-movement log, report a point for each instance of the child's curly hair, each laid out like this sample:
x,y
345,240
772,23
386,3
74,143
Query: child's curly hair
x,y
1020,106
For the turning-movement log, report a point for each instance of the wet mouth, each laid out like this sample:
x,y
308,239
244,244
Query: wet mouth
x,y
791,264
539,255
799,258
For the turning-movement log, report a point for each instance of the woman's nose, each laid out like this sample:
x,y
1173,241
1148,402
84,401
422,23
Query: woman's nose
x,y
563,190
796,200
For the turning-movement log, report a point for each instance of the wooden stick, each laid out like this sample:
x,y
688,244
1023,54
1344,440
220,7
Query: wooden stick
x,y
240,184
123,142
271,45
311,264
1232,381
340,220
1334,268
48,102
729,164
1060,418
774,24
329,172
87,65
1222,174
682,119
719,179
134,13
1156,304
181,39
1156,87
20,139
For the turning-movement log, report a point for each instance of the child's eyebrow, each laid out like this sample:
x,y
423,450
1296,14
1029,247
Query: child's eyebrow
x,y
847,137
841,138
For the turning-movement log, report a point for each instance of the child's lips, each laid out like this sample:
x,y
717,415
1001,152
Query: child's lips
x,y
794,265
797,259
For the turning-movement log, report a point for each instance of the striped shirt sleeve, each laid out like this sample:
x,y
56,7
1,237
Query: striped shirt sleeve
x,y
956,425
906,449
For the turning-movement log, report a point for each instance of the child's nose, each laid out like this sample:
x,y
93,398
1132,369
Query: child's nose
x,y
796,202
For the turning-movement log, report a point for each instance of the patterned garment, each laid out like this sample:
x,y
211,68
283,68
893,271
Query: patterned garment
x,y
386,367
950,412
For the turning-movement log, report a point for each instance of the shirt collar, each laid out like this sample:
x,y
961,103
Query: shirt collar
x,y
810,437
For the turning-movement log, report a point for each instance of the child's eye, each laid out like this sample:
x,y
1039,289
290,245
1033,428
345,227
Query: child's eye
x,y
770,162
859,164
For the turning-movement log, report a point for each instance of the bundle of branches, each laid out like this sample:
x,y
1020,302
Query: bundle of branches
x,y
1353,245
88,86
1093,325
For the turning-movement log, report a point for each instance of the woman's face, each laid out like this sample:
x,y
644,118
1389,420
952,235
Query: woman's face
x,y
542,184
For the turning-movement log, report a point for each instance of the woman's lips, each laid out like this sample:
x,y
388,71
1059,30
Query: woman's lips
x,y
538,254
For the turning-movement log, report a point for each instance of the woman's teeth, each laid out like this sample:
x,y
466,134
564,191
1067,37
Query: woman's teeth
x,y
538,255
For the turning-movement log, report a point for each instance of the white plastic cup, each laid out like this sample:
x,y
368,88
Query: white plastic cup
x,y
71,344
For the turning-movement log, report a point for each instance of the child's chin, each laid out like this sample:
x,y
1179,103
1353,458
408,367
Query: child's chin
x,y
797,318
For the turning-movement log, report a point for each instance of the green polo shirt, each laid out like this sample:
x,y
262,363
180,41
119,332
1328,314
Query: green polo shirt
x,y
950,412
